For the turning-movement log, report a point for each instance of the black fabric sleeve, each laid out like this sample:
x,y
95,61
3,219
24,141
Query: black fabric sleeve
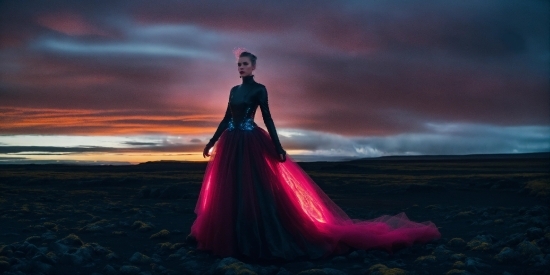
x,y
223,124
268,121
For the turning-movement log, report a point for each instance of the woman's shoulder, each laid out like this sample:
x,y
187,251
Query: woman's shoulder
x,y
260,86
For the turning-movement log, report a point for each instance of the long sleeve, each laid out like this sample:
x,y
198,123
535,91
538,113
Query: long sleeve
x,y
268,121
223,124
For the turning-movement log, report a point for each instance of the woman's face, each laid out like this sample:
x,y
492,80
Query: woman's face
x,y
245,66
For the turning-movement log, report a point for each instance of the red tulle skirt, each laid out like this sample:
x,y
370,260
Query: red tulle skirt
x,y
252,205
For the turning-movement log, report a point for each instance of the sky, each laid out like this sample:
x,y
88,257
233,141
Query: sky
x,y
116,82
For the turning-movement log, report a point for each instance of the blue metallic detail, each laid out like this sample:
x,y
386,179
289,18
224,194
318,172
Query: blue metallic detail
x,y
247,124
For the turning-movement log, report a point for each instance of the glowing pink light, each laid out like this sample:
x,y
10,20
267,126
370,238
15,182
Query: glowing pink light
x,y
311,205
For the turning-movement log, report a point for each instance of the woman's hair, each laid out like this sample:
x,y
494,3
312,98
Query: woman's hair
x,y
249,55
240,52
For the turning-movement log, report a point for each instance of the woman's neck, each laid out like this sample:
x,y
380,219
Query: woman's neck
x,y
248,79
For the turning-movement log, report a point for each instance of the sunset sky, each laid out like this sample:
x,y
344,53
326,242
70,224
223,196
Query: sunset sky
x,y
135,81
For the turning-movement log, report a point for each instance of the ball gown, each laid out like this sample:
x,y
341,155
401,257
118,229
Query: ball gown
x,y
253,205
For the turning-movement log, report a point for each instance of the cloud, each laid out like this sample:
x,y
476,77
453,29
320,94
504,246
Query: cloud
x,y
383,71
436,140
69,23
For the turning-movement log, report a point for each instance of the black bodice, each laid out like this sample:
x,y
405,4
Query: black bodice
x,y
244,99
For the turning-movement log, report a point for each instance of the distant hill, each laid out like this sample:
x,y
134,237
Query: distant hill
x,y
538,155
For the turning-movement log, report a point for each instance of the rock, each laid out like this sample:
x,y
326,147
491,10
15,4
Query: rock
x,y
354,255
475,265
119,233
518,225
510,241
129,270
91,228
71,240
155,193
457,243
4,266
142,226
167,247
283,271
537,210
6,250
506,254
543,243
339,259
540,221
111,256
464,214
193,267
172,192
143,214
59,248
49,236
163,234
540,260
181,252
480,243
48,259
140,259
534,233
40,267
113,208
527,249
51,226
324,271
397,263
458,265
299,265
82,255
458,272
382,254
144,193
380,269
441,252
457,257
266,270
426,259
109,270
156,258
231,265
28,249
34,240
314,271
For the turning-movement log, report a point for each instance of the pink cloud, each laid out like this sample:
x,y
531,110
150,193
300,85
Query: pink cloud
x,y
69,23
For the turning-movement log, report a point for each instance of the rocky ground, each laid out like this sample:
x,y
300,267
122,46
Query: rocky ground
x,y
493,216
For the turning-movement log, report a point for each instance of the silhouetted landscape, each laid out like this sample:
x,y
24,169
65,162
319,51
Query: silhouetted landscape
x,y
492,212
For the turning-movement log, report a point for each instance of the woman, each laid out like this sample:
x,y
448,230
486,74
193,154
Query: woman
x,y
255,201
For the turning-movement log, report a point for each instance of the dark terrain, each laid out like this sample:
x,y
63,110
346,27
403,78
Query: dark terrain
x,y
492,212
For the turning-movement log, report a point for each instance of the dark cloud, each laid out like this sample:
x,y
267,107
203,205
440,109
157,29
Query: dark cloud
x,y
354,68
439,139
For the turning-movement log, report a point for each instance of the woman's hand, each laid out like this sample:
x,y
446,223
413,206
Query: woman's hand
x,y
206,151
282,157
